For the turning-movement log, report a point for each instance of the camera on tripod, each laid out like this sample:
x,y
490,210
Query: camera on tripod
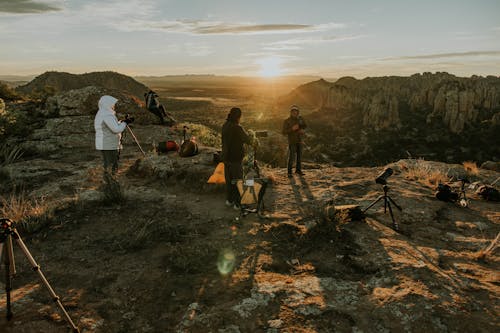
x,y
382,178
261,134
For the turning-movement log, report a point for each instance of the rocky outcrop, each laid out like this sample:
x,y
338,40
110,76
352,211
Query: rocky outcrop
x,y
62,82
437,116
69,118
457,102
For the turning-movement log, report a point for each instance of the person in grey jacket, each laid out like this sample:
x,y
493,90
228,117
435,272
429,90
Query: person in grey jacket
x,y
108,133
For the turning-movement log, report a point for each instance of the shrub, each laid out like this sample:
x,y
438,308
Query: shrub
x,y
32,214
7,93
471,168
423,171
9,155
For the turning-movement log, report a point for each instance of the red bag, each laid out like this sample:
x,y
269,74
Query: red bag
x,y
166,146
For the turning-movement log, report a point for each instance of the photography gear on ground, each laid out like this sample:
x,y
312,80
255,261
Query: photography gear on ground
x,y
463,201
488,193
8,232
445,193
252,191
188,147
382,179
167,146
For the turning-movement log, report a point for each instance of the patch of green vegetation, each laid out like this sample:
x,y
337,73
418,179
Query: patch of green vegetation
x,y
7,93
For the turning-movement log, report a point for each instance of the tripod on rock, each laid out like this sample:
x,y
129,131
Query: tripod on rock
x,y
382,180
7,233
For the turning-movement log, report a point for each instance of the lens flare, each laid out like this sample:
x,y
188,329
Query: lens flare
x,y
226,261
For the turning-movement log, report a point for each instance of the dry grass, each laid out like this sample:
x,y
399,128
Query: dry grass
x,y
489,250
471,168
423,172
9,155
31,213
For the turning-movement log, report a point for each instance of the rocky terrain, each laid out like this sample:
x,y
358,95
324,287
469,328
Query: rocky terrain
x,y
162,253
436,116
61,82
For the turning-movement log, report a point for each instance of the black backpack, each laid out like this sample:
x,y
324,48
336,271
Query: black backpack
x,y
488,193
445,193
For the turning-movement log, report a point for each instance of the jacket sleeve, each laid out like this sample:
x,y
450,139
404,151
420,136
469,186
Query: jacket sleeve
x,y
113,124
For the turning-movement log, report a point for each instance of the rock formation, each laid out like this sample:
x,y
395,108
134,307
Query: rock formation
x,y
61,82
439,116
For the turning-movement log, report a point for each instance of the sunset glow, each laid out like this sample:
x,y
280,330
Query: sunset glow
x,y
270,67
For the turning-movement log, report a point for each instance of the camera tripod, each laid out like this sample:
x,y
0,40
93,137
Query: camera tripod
x,y
387,204
7,233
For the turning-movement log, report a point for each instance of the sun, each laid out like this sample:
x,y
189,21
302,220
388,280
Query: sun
x,y
270,67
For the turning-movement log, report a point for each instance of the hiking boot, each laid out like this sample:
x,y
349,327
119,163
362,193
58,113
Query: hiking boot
x,y
300,173
236,207
229,203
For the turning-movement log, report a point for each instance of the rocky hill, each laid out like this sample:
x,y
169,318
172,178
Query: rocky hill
x,y
438,116
61,82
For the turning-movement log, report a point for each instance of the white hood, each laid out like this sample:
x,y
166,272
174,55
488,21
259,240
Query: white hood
x,y
107,127
106,103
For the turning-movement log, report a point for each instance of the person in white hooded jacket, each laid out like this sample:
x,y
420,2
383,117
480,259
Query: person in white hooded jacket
x,y
108,133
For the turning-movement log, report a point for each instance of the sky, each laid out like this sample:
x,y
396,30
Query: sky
x,y
327,38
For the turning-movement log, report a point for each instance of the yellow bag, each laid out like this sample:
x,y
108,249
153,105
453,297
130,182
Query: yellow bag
x,y
218,176
249,191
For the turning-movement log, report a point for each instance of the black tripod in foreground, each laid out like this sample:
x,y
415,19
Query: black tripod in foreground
x,y
7,233
382,179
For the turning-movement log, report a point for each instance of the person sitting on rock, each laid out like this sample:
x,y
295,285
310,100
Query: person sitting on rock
x,y
108,133
154,106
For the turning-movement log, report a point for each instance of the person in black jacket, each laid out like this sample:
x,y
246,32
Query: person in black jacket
x,y
154,106
233,138
293,127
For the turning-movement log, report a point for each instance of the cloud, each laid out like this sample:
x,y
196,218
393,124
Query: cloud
x,y
197,50
29,6
298,43
446,55
201,27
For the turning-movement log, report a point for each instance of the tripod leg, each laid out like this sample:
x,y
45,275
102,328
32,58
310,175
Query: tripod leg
x,y
7,255
394,223
395,204
36,268
373,203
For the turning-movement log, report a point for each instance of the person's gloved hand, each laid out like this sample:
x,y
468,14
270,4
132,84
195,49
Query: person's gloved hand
x,y
129,120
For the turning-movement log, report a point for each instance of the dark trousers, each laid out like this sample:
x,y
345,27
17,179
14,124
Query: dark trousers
x,y
159,112
110,160
295,155
232,170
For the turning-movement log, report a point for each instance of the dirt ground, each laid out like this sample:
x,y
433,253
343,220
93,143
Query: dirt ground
x,y
172,258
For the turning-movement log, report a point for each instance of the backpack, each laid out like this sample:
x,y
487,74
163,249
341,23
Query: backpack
x,y
166,146
445,193
488,193
188,148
